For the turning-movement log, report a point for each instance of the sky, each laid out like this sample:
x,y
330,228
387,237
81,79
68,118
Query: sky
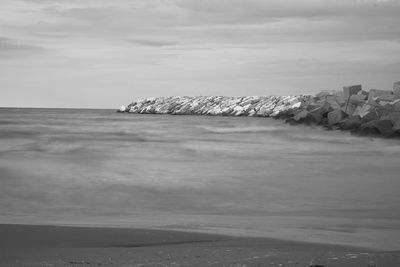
x,y
102,53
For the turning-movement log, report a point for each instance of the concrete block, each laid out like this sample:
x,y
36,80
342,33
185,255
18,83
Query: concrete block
x,y
301,115
383,127
394,117
396,126
336,116
396,88
351,123
358,99
318,113
374,93
349,109
351,90
396,105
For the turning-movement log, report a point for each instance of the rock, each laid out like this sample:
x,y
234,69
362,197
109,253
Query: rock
x,y
265,110
394,117
333,101
364,93
383,127
362,110
351,90
319,113
396,88
312,106
296,105
358,99
396,105
351,123
278,110
122,109
239,111
252,113
396,127
378,95
301,115
349,109
370,113
387,98
336,116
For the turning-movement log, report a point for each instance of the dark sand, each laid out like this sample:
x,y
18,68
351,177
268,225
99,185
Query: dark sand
x,y
28,245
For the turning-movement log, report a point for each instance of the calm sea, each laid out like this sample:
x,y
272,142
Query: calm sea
x,y
233,175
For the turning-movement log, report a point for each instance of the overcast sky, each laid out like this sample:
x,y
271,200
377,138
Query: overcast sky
x,y
103,53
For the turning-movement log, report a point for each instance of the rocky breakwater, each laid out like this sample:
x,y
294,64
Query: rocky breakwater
x,y
376,112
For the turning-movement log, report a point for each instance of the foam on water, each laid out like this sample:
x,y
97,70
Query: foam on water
x,y
236,175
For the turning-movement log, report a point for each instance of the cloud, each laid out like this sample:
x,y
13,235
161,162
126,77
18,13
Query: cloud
x,y
251,10
12,48
192,47
153,43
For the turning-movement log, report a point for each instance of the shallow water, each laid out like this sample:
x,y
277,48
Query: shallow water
x,y
234,175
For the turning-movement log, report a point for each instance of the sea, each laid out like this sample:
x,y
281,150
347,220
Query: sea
x,y
242,176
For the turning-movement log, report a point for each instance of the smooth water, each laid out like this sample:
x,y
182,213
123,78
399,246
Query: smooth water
x,y
234,175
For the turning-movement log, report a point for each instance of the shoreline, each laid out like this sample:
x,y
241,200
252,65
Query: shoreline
x,y
28,245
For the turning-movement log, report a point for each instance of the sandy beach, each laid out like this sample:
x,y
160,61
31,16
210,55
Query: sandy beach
x,y
34,245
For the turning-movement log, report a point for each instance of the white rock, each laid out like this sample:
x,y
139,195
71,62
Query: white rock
x,y
122,108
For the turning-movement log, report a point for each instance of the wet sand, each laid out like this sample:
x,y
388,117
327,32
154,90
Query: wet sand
x,y
31,245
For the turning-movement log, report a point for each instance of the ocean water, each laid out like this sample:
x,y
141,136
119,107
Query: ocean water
x,y
231,175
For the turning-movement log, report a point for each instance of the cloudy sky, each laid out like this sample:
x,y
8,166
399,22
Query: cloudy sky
x,y
102,53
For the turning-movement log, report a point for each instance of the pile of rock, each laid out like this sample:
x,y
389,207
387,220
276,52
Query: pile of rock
x,y
373,112
263,106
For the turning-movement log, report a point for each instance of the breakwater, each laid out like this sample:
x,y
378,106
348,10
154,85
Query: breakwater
x,y
373,112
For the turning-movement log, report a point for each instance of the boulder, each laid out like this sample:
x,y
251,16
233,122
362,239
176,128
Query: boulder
x,y
312,106
387,98
351,123
358,99
396,127
349,109
252,113
333,101
323,94
296,105
362,92
122,109
239,111
336,116
351,90
278,110
396,88
394,117
376,95
300,115
362,110
133,109
372,114
320,112
396,105
383,127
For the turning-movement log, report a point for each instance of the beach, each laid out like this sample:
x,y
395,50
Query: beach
x,y
33,245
